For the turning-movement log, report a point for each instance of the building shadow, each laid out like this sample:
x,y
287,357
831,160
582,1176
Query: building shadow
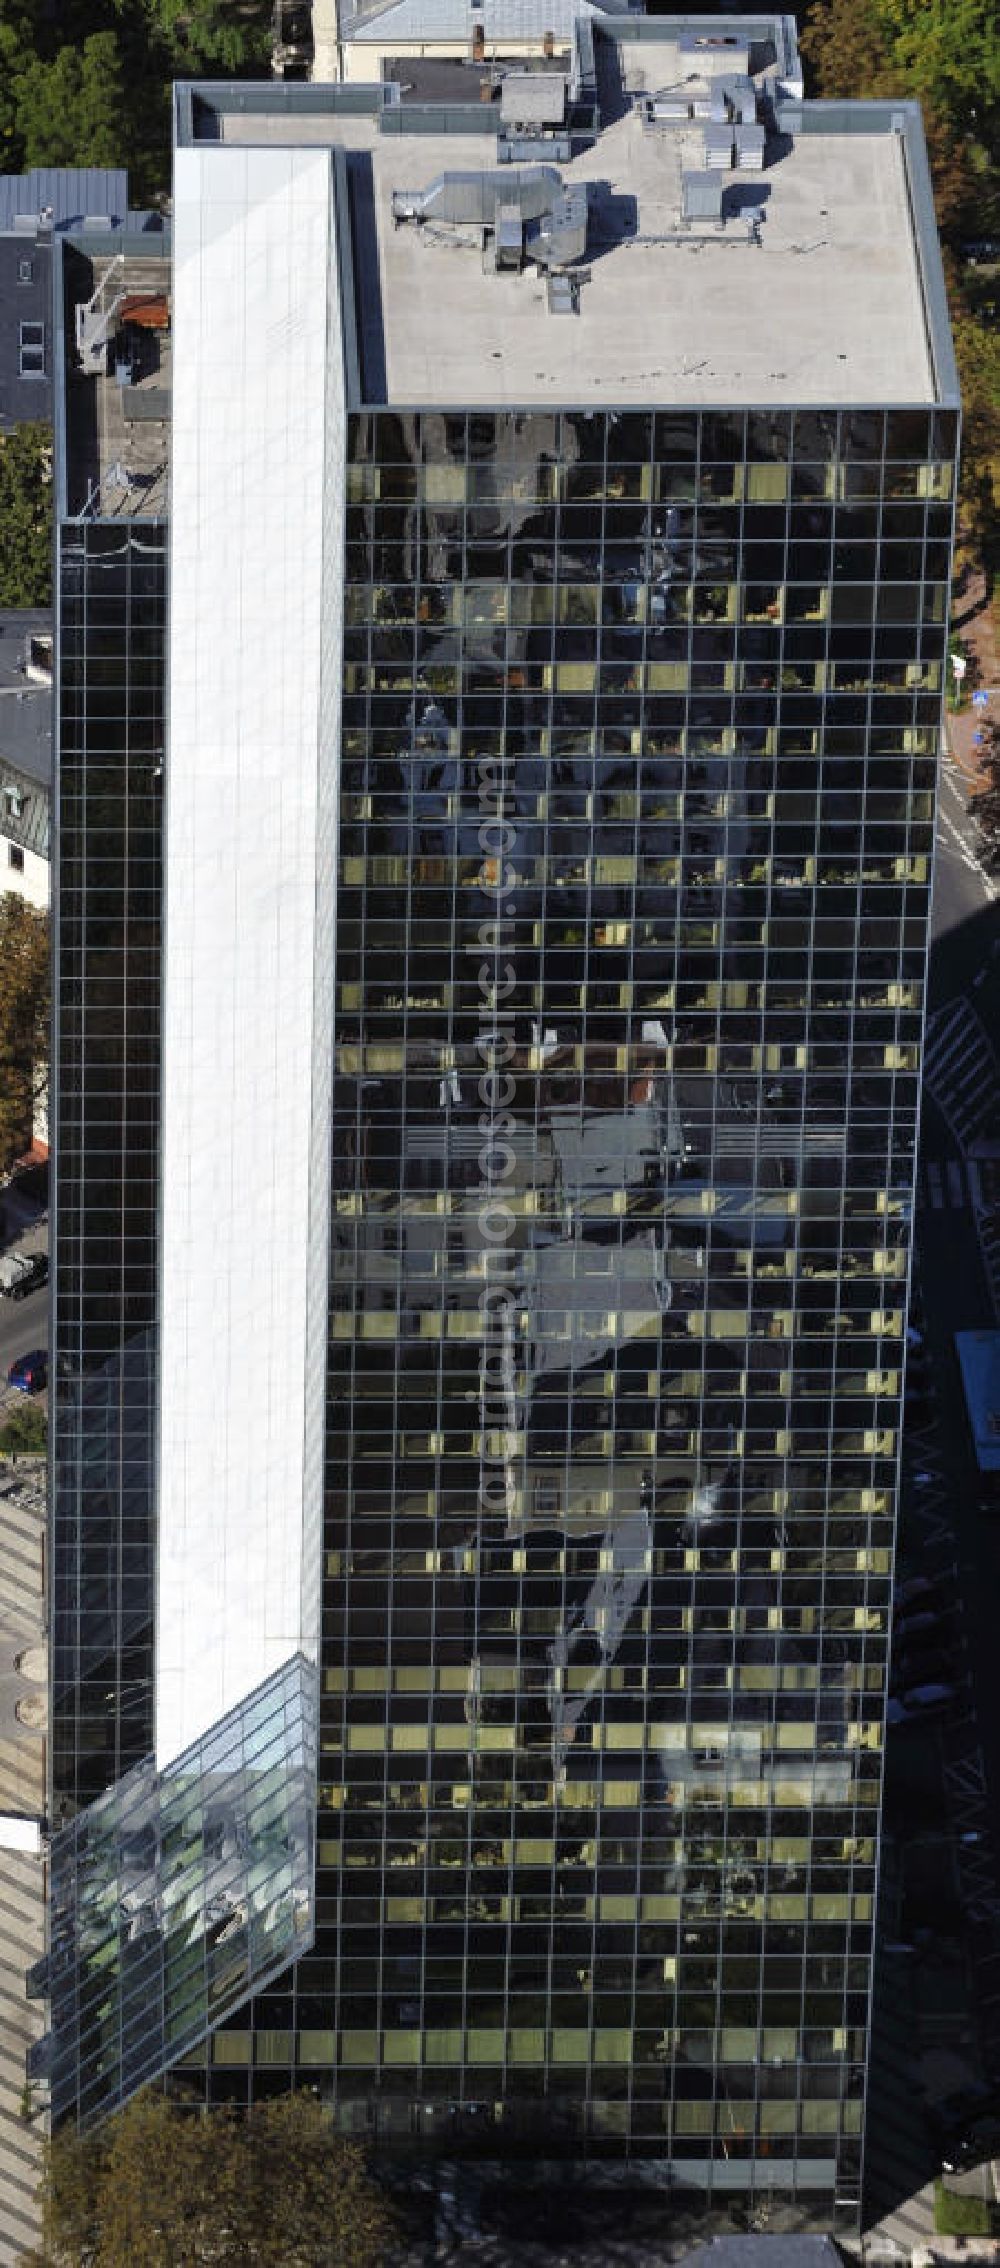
x,y
741,200
367,272
938,1945
611,219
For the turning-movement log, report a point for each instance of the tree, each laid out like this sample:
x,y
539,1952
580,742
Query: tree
x,y
977,352
202,37
24,1432
24,1022
173,2186
303,2181
855,54
26,516
100,123
11,158
945,52
64,66
72,111
984,805
946,55
949,52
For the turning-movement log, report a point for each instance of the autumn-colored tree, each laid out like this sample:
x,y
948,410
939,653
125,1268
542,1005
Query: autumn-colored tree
x,y
944,54
24,1022
985,803
173,2186
977,352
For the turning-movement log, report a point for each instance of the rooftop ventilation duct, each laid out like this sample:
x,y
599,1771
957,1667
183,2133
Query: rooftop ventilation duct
x,y
531,206
750,148
718,148
701,195
470,200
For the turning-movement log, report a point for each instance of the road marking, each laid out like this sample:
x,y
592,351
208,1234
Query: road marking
x,y
961,845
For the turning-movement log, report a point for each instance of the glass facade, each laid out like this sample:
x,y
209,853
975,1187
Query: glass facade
x,y
640,726
175,1894
106,1022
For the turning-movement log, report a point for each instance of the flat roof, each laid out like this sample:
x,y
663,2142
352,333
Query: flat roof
x,y
822,283
25,705
117,432
827,306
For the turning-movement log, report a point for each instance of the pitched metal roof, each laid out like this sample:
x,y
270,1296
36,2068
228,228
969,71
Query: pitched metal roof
x,y
25,708
452,20
73,192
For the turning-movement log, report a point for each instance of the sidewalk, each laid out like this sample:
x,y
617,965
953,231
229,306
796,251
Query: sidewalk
x,y
973,620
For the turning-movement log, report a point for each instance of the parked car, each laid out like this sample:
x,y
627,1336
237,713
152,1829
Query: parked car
x,y
23,1272
30,1372
972,2145
917,1629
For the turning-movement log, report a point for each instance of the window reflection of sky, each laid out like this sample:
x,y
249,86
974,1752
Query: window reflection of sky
x,y
176,1894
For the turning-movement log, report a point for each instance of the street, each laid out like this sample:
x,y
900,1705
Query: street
x,y
937,2007
24,1325
956,1282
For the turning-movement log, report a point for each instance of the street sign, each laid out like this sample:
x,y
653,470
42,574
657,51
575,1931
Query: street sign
x,y
980,700
959,665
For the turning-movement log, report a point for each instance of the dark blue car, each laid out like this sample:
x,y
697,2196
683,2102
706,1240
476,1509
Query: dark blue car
x,y
30,1372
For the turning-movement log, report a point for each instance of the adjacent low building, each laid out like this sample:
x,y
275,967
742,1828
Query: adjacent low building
x,y
25,752
34,208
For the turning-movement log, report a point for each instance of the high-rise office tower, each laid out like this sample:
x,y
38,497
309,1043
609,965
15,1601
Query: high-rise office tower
x,y
473,1545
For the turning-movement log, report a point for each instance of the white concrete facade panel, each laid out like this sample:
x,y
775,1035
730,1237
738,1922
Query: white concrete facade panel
x,y
247,875
25,873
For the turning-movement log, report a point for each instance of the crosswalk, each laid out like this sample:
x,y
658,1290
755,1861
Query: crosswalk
x,y
961,1073
950,1185
955,1185
22,1879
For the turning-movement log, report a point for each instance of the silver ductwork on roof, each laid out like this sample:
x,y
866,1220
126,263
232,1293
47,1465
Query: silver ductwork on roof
x,y
471,199
529,213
